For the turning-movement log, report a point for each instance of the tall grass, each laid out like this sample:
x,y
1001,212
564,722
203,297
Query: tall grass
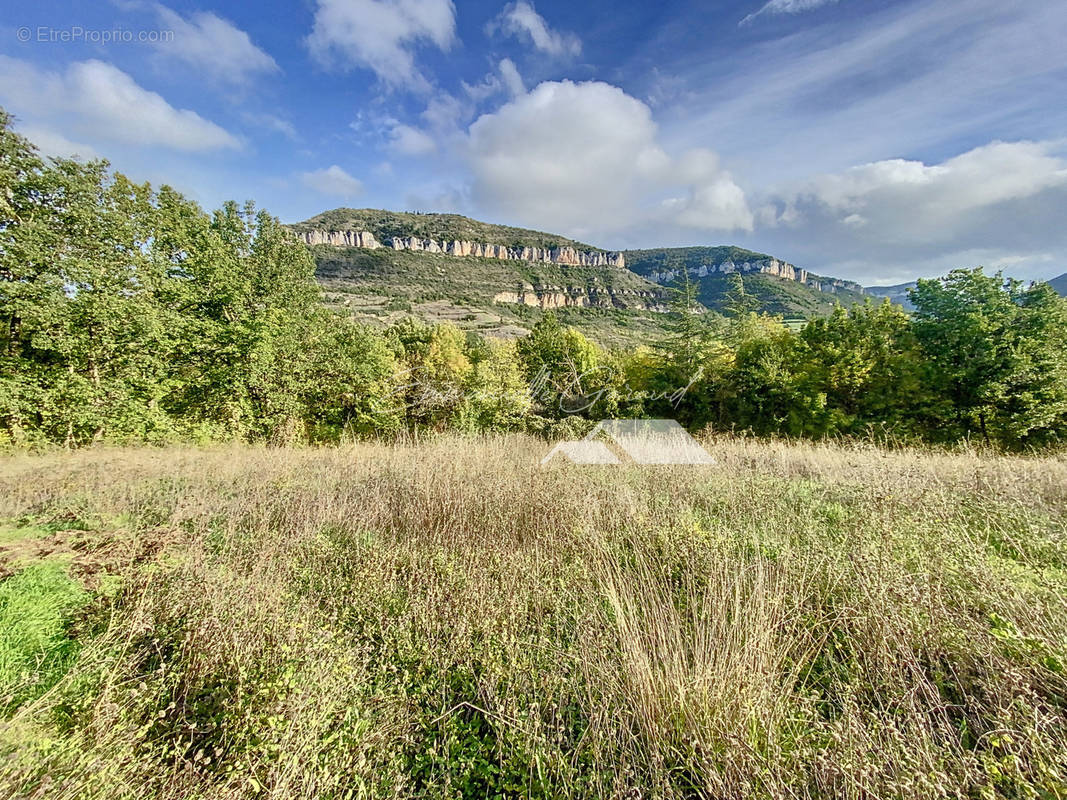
x,y
446,619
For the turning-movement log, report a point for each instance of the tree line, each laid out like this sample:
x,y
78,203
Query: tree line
x,y
130,314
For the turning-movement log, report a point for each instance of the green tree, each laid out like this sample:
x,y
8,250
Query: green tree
x,y
765,388
866,362
562,366
996,349
497,396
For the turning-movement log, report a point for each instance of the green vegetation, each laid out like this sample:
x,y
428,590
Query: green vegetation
x,y
418,613
773,295
374,285
35,607
447,619
663,259
130,315
776,296
440,227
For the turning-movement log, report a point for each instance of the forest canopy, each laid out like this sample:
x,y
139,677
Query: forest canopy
x,y
129,314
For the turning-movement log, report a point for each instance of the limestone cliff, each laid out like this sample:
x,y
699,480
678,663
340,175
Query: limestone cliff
x,y
549,297
549,255
766,266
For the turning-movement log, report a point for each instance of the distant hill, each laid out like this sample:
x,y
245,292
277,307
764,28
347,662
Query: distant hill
x,y
781,287
1060,284
442,227
380,266
897,294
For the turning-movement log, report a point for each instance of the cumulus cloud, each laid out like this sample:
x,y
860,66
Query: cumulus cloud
x,y
786,7
101,101
51,143
409,141
504,79
913,200
332,181
567,152
215,47
381,35
1003,202
509,73
521,19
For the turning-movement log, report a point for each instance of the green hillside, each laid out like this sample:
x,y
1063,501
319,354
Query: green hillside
x,y
382,286
792,299
659,259
1060,284
442,227
788,298
613,305
895,294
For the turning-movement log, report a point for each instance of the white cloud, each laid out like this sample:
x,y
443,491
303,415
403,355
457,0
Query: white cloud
x,y
214,46
999,204
332,181
789,107
587,154
51,143
913,200
504,79
381,35
103,102
272,122
786,7
522,20
509,73
410,141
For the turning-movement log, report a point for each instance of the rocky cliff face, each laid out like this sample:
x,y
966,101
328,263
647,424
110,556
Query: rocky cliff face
x,y
549,297
767,266
550,255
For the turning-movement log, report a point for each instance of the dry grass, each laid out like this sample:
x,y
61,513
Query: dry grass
x,y
445,619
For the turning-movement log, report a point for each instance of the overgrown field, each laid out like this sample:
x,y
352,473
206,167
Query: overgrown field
x,y
446,619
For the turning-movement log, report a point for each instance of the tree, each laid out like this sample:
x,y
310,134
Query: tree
x,y
562,366
434,372
497,396
737,302
996,351
866,362
765,389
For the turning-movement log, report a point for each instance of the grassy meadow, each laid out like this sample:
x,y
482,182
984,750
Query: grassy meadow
x,y
445,619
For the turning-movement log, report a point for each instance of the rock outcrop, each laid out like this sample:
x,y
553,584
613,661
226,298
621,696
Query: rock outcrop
x,y
767,266
549,297
549,255
341,239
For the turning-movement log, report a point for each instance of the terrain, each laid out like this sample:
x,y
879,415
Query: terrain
x,y
896,294
1060,284
446,619
777,286
381,266
899,294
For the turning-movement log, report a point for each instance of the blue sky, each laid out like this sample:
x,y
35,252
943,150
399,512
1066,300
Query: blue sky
x,y
878,140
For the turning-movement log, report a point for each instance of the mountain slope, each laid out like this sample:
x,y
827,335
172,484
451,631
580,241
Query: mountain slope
x,y
380,266
781,287
896,294
442,227
1060,284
